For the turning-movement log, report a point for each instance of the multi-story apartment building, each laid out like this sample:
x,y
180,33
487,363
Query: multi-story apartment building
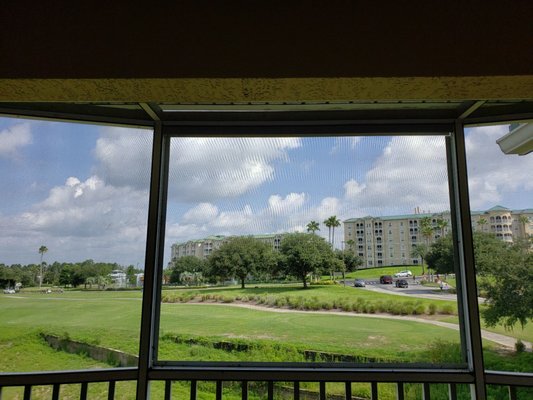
x,y
389,240
202,248
506,224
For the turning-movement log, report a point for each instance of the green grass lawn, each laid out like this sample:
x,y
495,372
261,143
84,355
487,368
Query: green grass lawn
x,y
112,319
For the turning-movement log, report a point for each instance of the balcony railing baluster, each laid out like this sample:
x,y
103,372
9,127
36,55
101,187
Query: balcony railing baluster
x,y
374,391
55,391
270,390
452,391
27,392
399,391
83,392
348,390
322,390
426,391
512,393
244,395
111,390
168,390
193,390
219,390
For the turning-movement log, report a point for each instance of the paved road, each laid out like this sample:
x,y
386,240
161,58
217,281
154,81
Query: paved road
x,y
414,290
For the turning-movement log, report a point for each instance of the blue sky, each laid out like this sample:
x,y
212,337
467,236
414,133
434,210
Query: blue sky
x,y
82,190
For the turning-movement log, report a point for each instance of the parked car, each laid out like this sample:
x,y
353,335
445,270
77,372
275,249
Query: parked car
x,y
403,274
402,283
385,279
359,283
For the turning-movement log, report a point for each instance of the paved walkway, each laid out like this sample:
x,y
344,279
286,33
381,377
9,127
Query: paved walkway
x,y
505,341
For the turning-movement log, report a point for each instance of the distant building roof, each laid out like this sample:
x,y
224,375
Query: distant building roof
x,y
499,208
402,216
417,216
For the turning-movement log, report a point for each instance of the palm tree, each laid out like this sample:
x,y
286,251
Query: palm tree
x,y
482,222
43,249
351,244
426,228
313,226
327,222
420,250
441,225
332,223
524,220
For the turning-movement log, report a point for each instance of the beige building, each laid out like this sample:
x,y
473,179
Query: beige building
x,y
389,240
202,248
506,224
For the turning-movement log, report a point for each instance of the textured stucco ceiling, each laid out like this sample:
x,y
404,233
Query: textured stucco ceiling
x,y
266,90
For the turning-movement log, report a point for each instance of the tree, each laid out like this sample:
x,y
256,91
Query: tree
x,y
482,222
190,265
505,273
440,255
313,226
441,225
507,288
332,223
305,254
426,228
43,249
241,257
350,261
351,244
420,250
524,220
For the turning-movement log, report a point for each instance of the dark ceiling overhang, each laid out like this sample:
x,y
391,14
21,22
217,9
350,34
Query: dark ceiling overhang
x,y
354,112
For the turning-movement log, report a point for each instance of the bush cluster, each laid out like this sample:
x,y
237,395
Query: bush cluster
x,y
347,304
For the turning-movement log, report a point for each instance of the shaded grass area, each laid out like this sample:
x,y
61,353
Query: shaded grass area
x,y
316,298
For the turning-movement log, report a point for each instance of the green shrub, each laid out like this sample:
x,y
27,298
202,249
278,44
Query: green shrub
x,y
519,346
442,352
280,302
447,309
432,308
419,309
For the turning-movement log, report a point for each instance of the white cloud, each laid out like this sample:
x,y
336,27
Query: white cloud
x,y
350,142
124,156
411,171
205,169
352,189
201,169
80,220
493,176
202,213
13,138
291,203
